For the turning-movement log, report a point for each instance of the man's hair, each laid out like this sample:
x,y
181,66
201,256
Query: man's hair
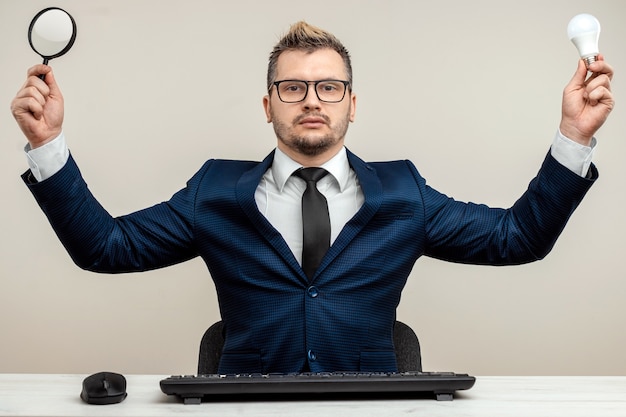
x,y
305,37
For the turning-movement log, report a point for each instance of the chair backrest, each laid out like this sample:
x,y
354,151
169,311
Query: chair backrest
x,y
211,347
408,355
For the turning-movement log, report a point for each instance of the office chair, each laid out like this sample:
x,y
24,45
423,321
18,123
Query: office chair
x,y
407,345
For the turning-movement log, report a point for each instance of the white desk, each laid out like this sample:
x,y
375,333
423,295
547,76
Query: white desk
x,y
58,395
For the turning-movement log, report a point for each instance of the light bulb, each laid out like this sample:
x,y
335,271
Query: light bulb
x,y
584,31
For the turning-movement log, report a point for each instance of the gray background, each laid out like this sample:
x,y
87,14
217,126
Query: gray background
x,y
468,90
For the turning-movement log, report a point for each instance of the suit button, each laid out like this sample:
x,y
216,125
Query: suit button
x,y
312,291
312,356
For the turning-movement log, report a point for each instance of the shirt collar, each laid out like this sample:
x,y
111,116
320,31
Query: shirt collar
x,y
338,166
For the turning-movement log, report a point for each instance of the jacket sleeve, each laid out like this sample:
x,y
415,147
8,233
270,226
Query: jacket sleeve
x,y
475,233
155,237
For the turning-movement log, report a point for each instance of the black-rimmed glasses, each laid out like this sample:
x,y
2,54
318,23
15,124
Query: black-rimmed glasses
x,y
328,91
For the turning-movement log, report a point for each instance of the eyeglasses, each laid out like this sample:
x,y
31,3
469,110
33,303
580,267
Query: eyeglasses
x,y
294,91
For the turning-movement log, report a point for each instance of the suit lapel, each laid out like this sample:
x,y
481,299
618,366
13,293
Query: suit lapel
x,y
246,187
372,190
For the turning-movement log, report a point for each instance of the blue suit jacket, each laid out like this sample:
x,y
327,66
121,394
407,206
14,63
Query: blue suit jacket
x,y
275,319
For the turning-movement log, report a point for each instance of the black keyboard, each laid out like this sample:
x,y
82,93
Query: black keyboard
x,y
192,389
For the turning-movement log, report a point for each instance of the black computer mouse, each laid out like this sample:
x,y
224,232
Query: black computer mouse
x,y
104,388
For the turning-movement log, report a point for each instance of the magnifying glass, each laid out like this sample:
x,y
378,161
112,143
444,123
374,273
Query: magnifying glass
x,y
51,33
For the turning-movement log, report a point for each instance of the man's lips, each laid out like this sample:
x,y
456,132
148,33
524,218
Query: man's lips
x,y
312,122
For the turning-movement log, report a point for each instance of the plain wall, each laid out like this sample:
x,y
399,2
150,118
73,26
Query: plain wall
x,y
470,91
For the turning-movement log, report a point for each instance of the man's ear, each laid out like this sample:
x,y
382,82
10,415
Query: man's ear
x,y
352,107
266,107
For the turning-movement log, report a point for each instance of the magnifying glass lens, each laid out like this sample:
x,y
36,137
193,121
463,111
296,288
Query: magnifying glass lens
x,y
52,33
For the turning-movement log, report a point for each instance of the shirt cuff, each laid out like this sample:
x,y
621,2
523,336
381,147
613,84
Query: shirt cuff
x,y
572,155
48,159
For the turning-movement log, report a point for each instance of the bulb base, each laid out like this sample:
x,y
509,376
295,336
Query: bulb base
x,y
590,60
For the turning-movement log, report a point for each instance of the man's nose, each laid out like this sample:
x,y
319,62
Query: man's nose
x,y
310,99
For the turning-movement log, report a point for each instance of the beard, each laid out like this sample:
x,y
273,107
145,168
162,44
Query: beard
x,y
311,144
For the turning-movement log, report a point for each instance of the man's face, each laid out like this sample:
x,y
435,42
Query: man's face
x,y
310,130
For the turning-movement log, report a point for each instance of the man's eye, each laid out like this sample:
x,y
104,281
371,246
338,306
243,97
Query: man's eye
x,y
292,88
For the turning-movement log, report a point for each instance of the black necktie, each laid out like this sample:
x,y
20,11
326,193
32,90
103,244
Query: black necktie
x,y
315,220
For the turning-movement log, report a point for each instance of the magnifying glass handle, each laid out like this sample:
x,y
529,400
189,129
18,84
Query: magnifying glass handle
x,y
43,76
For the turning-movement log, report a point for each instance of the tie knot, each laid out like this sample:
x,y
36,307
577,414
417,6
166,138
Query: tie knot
x,y
311,174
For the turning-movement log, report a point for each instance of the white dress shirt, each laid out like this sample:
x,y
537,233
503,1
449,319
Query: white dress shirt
x,y
278,195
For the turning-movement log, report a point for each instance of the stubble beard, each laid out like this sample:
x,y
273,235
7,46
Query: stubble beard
x,y
313,144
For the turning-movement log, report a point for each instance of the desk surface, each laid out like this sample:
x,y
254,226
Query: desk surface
x,y
58,395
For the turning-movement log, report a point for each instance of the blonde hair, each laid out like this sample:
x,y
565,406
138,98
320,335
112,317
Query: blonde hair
x,y
304,37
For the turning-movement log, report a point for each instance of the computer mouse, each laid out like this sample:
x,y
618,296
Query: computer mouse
x,y
104,388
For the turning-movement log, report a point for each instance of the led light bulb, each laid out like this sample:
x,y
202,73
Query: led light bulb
x,y
584,31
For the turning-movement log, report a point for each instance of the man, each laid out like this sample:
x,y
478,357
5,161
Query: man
x,y
245,220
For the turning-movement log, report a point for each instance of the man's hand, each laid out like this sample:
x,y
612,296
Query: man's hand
x,y
38,107
587,102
